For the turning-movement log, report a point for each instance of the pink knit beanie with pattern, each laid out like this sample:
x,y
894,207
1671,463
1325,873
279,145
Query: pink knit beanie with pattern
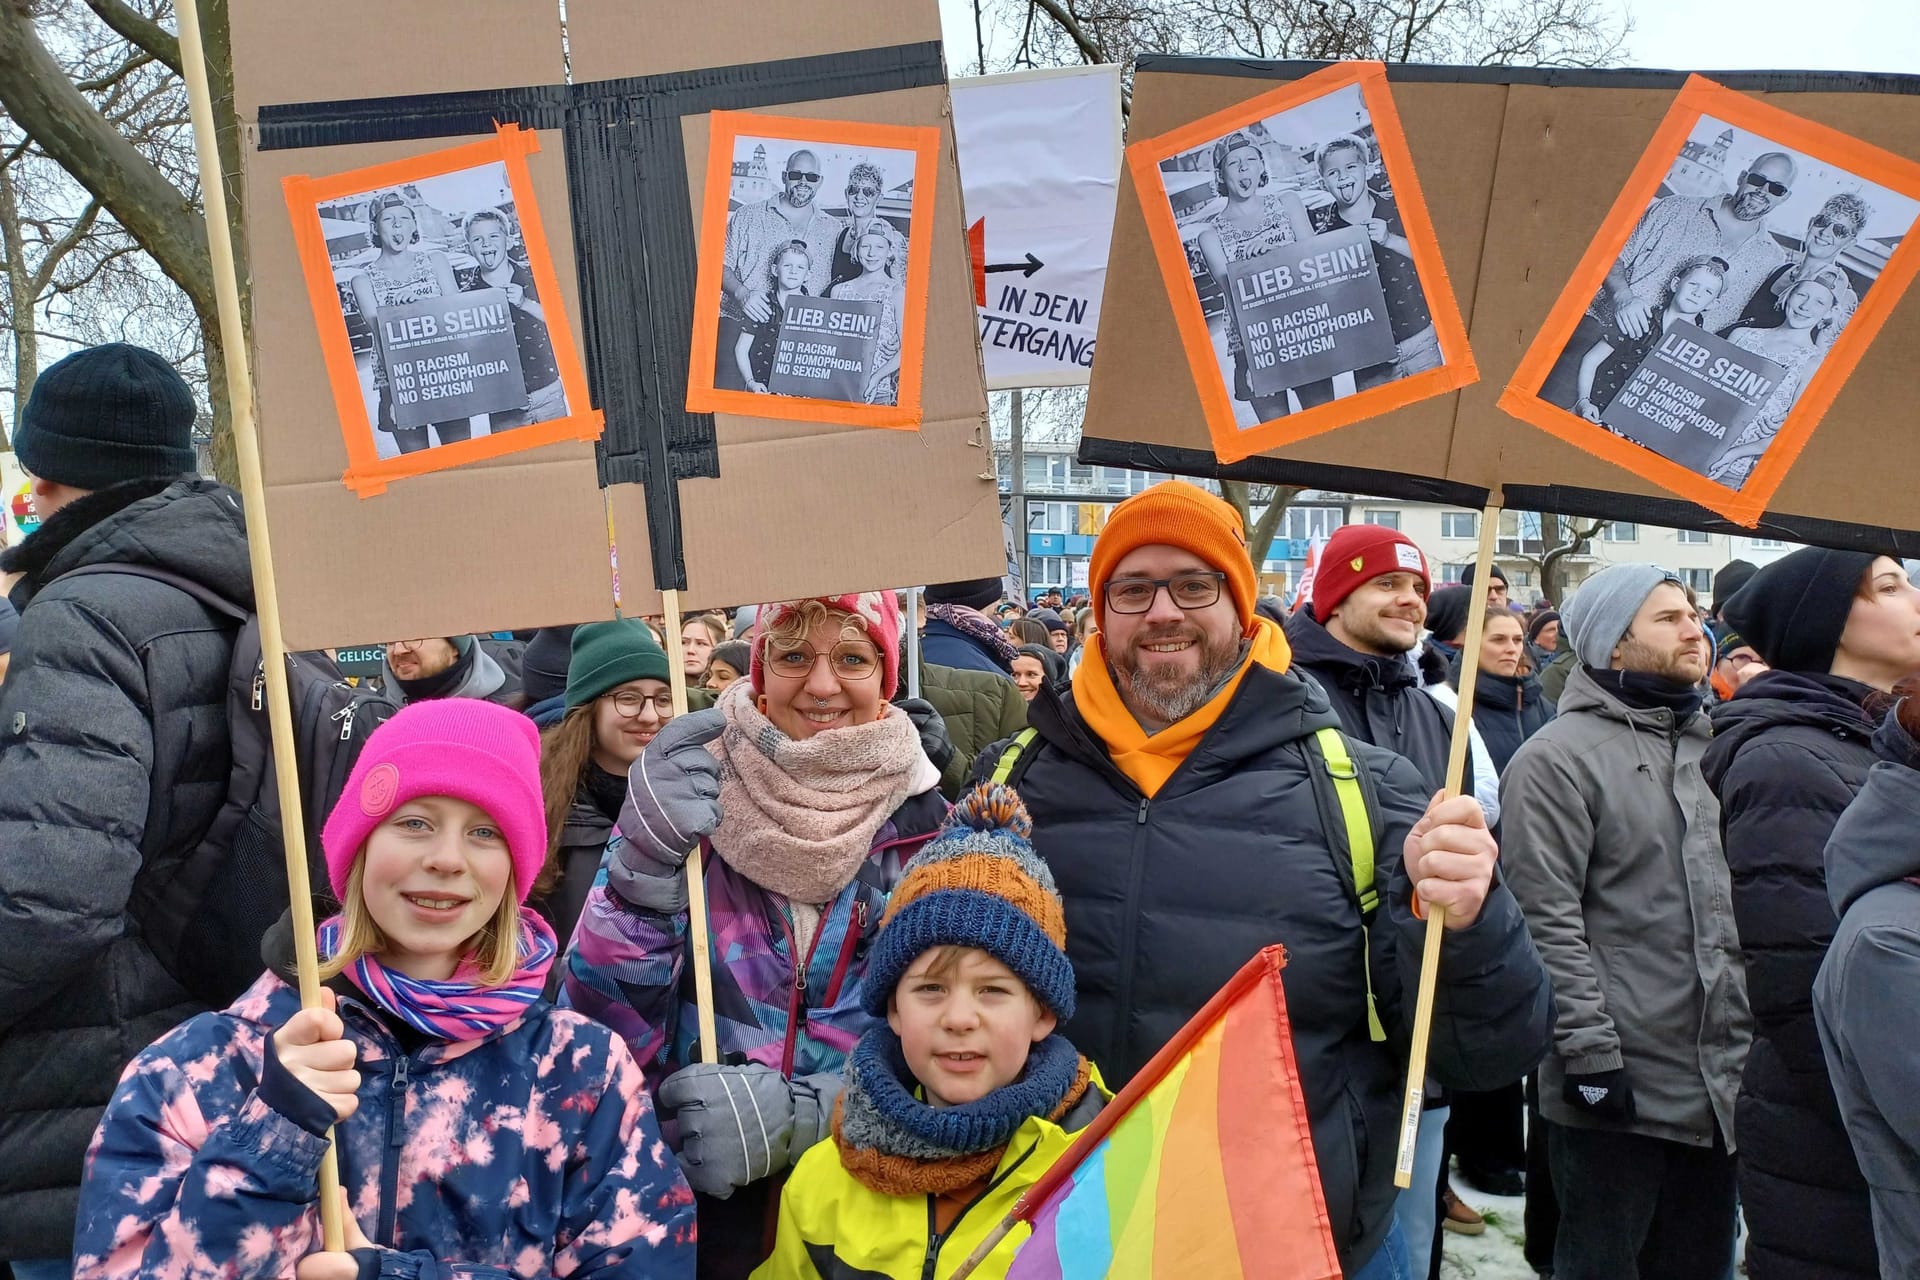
x,y
460,747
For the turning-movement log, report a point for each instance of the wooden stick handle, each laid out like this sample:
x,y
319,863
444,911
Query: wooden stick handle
x,y
696,871
980,1251
1437,916
273,649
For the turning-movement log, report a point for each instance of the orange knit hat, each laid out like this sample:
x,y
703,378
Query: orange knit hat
x,y
1176,514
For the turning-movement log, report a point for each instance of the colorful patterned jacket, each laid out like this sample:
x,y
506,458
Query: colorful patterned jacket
x,y
529,1154
627,966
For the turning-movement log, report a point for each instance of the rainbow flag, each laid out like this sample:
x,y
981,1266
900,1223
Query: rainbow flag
x,y
1202,1166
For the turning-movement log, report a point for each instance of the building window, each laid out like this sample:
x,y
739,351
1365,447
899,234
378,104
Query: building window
x,y
1693,537
1452,573
1622,531
1459,524
1766,544
1308,523
1701,580
1053,517
1079,476
1386,519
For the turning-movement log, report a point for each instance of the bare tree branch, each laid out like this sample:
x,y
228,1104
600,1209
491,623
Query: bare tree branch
x,y
1089,48
115,76
140,31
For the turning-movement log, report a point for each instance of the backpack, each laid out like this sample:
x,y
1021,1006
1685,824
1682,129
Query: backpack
x,y
1349,814
204,913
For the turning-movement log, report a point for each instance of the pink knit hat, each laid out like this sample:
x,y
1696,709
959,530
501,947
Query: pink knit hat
x,y
878,609
460,747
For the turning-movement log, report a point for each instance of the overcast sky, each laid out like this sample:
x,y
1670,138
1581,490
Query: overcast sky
x,y
1694,35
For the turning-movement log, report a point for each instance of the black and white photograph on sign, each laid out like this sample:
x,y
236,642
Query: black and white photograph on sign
x,y
447,327
813,287
1300,259
1730,291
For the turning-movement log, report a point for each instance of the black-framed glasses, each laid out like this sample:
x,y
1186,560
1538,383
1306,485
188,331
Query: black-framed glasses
x,y
1839,226
1190,591
849,660
1768,185
801,175
631,702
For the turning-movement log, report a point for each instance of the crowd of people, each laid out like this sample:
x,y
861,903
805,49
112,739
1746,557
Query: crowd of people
x,y
1674,984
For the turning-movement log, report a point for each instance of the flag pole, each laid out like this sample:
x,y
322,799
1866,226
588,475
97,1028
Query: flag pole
x,y
273,649
696,874
1437,915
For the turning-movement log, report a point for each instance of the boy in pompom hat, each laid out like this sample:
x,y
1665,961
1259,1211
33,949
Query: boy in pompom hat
x,y
967,1094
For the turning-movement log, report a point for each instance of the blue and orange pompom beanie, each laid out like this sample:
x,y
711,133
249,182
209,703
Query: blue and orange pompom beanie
x,y
978,883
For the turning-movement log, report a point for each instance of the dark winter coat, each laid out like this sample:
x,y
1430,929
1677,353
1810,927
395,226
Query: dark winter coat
x,y
946,645
1507,710
978,708
1864,1000
113,753
1378,700
1167,898
1789,753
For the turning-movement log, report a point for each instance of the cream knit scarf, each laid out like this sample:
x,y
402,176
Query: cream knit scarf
x,y
800,817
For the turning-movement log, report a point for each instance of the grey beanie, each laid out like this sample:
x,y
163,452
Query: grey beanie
x,y
1603,608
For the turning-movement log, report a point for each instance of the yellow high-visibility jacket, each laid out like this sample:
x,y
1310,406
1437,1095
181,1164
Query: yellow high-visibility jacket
x,y
835,1228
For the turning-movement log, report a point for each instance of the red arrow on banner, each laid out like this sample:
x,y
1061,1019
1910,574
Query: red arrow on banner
x,y
977,251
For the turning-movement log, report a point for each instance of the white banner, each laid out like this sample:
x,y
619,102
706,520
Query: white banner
x,y
1040,168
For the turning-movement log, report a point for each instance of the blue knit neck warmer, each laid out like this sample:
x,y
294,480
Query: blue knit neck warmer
x,y
880,1111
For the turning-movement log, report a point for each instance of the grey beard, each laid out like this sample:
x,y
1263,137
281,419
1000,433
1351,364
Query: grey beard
x,y
1171,698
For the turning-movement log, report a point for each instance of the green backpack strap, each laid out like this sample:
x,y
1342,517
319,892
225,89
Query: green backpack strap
x,y
1330,748
1010,758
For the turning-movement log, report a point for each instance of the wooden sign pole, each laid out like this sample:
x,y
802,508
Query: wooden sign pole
x,y
696,871
1437,916
273,649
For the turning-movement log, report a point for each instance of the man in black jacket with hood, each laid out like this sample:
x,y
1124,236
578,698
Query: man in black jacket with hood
x,y
113,754
1174,797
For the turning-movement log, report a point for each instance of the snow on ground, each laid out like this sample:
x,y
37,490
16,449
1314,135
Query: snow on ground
x,y
1495,1254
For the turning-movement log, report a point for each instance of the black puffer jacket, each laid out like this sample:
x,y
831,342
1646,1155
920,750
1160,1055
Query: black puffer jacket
x,y
1507,710
1789,753
1378,700
1167,898
113,750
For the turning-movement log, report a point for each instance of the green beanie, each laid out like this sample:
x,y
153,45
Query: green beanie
x,y
608,654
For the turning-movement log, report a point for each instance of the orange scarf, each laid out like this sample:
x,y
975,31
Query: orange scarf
x,y
1150,759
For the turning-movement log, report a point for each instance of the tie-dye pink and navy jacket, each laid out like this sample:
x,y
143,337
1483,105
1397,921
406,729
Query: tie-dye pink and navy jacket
x,y
531,1153
627,965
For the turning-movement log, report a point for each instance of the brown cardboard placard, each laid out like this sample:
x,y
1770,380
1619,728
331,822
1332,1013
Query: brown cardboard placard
x,y
1519,169
521,540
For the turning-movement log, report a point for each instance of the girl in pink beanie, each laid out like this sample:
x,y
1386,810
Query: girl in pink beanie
x,y
480,1131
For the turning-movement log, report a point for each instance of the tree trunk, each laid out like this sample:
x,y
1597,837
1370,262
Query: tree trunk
x,y
20,300
1260,533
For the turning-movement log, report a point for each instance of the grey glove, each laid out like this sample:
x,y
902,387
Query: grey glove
x,y
739,1124
672,804
933,730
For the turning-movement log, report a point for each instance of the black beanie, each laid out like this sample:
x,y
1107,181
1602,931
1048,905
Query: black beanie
x,y
974,593
1539,624
1466,577
1447,613
107,415
1792,611
543,667
1733,575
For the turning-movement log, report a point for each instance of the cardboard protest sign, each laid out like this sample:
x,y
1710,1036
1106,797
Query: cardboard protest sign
x,y
1758,252
1040,161
1519,169
777,246
1300,262
757,508
425,277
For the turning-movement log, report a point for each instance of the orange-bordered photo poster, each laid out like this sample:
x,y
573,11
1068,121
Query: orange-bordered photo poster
x,y
440,318
815,251
1736,283
1300,261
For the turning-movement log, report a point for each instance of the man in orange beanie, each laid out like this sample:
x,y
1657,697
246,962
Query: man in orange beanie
x,y
1190,796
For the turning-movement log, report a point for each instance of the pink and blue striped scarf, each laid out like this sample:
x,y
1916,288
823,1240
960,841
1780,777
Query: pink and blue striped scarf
x,y
456,1008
